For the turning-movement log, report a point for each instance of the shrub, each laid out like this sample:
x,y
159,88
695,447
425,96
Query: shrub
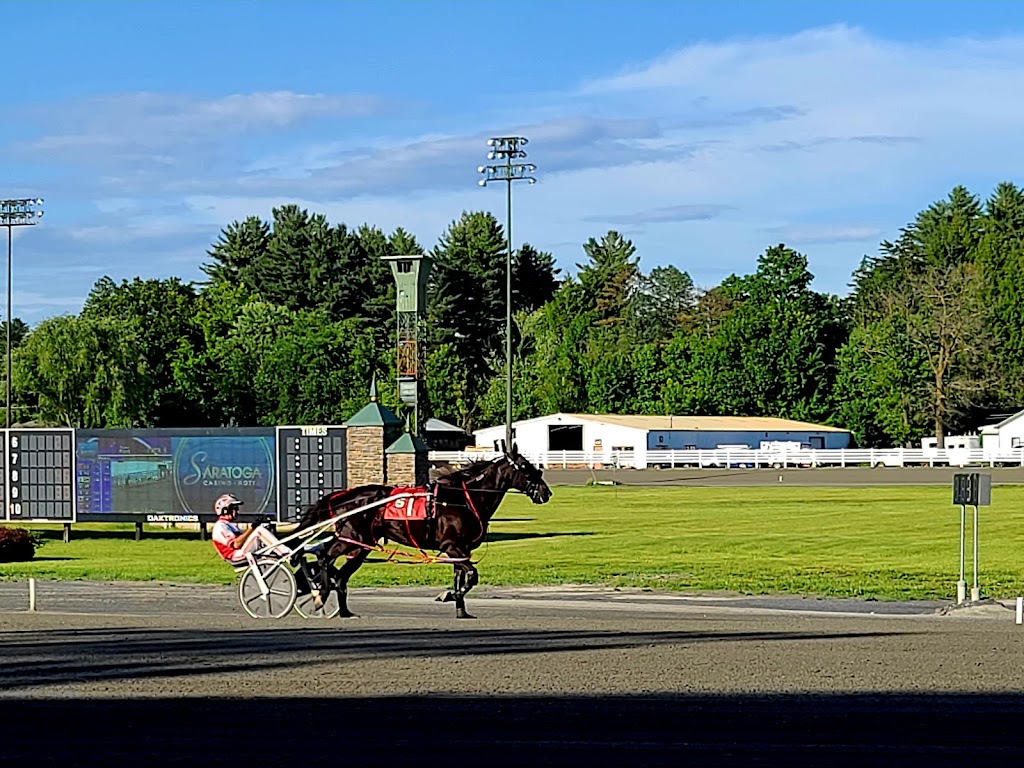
x,y
16,545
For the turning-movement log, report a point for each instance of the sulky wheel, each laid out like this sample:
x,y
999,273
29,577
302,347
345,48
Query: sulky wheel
x,y
280,582
306,607
305,604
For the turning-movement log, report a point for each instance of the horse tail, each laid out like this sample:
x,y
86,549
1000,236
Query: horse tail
x,y
317,511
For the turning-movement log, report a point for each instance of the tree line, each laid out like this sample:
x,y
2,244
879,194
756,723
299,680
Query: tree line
x,y
296,314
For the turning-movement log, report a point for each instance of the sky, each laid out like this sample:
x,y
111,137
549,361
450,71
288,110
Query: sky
x,y
705,131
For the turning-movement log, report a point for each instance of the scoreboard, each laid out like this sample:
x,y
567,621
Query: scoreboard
x,y
311,464
40,477
63,475
6,514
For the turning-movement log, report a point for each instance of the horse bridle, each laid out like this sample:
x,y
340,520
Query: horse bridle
x,y
531,486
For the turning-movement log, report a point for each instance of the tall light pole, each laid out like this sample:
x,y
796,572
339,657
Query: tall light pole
x,y
509,149
15,213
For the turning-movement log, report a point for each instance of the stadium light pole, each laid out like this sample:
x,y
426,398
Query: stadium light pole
x,y
509,149
21,212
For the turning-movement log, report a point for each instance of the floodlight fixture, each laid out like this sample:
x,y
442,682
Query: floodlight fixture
x,y
16,212
509,149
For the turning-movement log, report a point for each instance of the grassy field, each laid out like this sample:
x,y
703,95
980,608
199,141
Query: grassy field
x,y
884,543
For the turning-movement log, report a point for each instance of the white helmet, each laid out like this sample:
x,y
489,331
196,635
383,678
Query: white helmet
x,y
223,504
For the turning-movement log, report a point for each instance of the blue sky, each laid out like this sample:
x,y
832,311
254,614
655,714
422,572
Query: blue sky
x,y
704,131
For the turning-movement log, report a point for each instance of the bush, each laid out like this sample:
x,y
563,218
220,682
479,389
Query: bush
x,y
16,545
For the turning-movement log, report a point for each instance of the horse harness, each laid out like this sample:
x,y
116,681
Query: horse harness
x,y
420,503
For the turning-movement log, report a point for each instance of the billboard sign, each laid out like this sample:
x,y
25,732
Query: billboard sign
x,y
173,474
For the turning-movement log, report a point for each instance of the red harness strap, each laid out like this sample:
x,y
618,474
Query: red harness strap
x,y
472,508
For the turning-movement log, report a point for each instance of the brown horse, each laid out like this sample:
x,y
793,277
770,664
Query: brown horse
x,y
462,503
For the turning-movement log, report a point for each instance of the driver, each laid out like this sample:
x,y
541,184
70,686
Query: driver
x,y
230,541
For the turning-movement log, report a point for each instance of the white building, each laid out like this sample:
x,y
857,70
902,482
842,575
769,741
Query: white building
x,y
1005,435
641,437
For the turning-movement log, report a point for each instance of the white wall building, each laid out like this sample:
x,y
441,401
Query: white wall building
x,y
1006,435
641,437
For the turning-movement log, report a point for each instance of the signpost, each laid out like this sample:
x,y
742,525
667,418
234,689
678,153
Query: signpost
x,y
970,490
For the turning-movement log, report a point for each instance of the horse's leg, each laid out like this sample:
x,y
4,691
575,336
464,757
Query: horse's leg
x,y
341,577
469,579
448,550
466,577
449,595
324,559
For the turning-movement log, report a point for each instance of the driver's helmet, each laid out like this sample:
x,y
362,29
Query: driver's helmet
x,y
223,504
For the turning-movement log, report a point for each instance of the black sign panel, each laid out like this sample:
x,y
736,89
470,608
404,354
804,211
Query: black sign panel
x,y
311,464
40,475
972,489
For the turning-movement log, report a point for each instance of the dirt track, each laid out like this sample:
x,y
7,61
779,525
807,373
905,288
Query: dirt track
x,y
540,678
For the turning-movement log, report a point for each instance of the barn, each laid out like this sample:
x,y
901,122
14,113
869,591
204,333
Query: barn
x,y
643,436
1006,434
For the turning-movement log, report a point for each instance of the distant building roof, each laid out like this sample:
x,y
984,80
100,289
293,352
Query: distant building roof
x,y
373,414
998,420
436,425
697,423
408,443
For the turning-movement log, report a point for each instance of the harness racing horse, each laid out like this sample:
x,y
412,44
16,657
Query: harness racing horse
x,y
463,503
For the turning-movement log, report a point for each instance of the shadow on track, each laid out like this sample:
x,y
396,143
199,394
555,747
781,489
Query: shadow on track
x,y
53,657
733,730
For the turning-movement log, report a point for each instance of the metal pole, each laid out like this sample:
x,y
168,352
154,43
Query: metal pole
x,y
9,239
509,147
976,589
508,320
961,586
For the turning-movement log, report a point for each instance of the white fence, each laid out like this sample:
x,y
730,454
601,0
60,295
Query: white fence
x,y
845,457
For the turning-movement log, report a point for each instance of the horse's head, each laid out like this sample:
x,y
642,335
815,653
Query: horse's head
x,y
523,476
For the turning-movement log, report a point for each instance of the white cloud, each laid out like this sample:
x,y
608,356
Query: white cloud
x,y
811,234
32,304
829,138
665,214
156,119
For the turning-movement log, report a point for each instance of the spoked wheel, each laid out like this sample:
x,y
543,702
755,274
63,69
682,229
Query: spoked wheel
x,y
280,596
308,575
305,606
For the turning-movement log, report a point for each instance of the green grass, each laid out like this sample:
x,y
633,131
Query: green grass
x,y
882,543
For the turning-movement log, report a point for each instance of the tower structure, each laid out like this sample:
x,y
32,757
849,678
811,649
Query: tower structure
x,y
411,272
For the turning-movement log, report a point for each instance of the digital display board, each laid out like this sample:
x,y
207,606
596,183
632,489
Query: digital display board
x,y
40,474
312,464
174,474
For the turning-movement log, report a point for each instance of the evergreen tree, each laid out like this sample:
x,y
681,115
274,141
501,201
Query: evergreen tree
x,y
610,278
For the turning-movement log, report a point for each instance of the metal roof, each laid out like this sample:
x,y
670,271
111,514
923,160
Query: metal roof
x,y
373,414
436,425
694,423
991,429
709,423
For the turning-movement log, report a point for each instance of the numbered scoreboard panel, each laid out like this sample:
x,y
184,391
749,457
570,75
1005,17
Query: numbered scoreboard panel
x,y
311,464
39,469
6,514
